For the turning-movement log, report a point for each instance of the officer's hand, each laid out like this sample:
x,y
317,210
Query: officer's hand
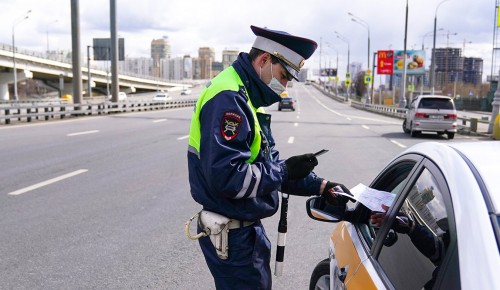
x,y
300,166
336,199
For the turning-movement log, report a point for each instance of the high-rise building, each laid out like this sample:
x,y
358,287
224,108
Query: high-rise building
x,y
229,56
449,65
160,49
206,56
139,66
188,67
473,70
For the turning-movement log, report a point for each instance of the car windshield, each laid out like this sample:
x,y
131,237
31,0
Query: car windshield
x,y
286,99
436,103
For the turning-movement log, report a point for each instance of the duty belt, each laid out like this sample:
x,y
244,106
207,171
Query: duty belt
x,y
236,224
216,227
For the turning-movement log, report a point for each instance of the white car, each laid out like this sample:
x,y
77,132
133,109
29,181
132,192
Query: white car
x,y
163,97
431,113
442,229
186,92
122,96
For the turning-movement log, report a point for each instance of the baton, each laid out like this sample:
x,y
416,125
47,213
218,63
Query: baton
x,y
282,228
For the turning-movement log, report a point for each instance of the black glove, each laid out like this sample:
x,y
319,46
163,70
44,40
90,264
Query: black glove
x,y
403,224
300,166
339,199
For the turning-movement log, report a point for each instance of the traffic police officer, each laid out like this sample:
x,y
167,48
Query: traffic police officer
x,y
234,170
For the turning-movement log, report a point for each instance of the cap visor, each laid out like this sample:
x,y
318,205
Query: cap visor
x,y
290,70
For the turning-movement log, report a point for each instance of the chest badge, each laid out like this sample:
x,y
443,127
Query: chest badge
x,y
230,125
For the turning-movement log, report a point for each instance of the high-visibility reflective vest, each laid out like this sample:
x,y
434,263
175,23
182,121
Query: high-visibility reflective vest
x,y
226,80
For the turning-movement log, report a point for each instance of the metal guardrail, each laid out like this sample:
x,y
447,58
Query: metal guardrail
x,y
28,113
467,126
399,113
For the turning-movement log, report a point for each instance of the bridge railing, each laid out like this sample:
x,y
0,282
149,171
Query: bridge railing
x,y
31,112
465,126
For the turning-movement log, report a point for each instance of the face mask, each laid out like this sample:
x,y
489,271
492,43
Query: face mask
x,y
275,85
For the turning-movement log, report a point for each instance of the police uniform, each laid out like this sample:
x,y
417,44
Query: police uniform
x,y
234,169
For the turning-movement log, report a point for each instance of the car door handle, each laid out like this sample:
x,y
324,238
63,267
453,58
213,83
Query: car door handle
x,y
342,273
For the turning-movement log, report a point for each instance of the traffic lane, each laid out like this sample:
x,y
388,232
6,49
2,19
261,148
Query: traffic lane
x,y
371,139
349,161
43,151
114,221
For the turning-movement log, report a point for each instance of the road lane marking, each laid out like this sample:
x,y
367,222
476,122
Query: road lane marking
x,y
82,133
296,124
366,127
47,182
349,116
183,137
397,143
291,139
159,120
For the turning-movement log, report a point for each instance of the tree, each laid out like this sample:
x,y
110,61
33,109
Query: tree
x,y
360,88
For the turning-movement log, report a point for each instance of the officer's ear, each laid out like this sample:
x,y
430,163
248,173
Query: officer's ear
x,y
265,57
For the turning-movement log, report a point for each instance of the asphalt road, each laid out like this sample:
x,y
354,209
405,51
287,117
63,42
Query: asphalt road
x,y
101,202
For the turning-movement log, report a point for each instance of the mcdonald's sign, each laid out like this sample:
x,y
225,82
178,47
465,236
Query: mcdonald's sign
x,y
385,62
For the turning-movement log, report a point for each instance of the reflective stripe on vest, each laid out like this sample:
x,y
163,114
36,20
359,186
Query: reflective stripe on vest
x,y
228,79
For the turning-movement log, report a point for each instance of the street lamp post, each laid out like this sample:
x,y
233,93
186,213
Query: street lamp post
x,y
89,85
402,99
55,21
339,36
26,16
433,62
337,65
365,25
423,49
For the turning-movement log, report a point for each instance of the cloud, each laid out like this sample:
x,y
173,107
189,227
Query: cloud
x,y
190,24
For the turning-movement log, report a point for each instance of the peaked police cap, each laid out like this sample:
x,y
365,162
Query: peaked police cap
x,y
290,50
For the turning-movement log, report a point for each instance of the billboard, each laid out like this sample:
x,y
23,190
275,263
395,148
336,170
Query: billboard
x,y
385,62
415,62
102,49
331,72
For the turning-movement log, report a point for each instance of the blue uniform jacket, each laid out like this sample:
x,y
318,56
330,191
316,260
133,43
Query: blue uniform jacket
x,y
220,178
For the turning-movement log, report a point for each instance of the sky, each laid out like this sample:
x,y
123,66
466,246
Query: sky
x,y
190,24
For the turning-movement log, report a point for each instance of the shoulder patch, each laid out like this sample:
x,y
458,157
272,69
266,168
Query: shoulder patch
x,y
230,125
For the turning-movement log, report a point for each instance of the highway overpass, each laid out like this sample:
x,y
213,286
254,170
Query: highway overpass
x,y
58,74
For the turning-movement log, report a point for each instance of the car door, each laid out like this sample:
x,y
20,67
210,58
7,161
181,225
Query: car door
x,y
425,256
353,266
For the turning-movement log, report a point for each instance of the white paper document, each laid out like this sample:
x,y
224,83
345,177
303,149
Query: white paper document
x,y
371,198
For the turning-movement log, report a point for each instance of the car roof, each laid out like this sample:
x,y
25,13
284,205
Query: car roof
x,y
456,158
432,96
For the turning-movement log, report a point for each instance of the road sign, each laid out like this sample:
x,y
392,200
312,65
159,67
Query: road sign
x,y
411,88
347,83
368,79
348,76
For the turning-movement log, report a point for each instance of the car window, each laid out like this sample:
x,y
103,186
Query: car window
x,y
436,103
419,236
393,180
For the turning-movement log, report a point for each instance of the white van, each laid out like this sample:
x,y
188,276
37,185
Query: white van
x,y
431,113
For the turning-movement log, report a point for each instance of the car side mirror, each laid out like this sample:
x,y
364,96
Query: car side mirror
x,y
318,209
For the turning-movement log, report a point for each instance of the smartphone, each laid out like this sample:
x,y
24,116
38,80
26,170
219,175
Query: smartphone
x,y
320,152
